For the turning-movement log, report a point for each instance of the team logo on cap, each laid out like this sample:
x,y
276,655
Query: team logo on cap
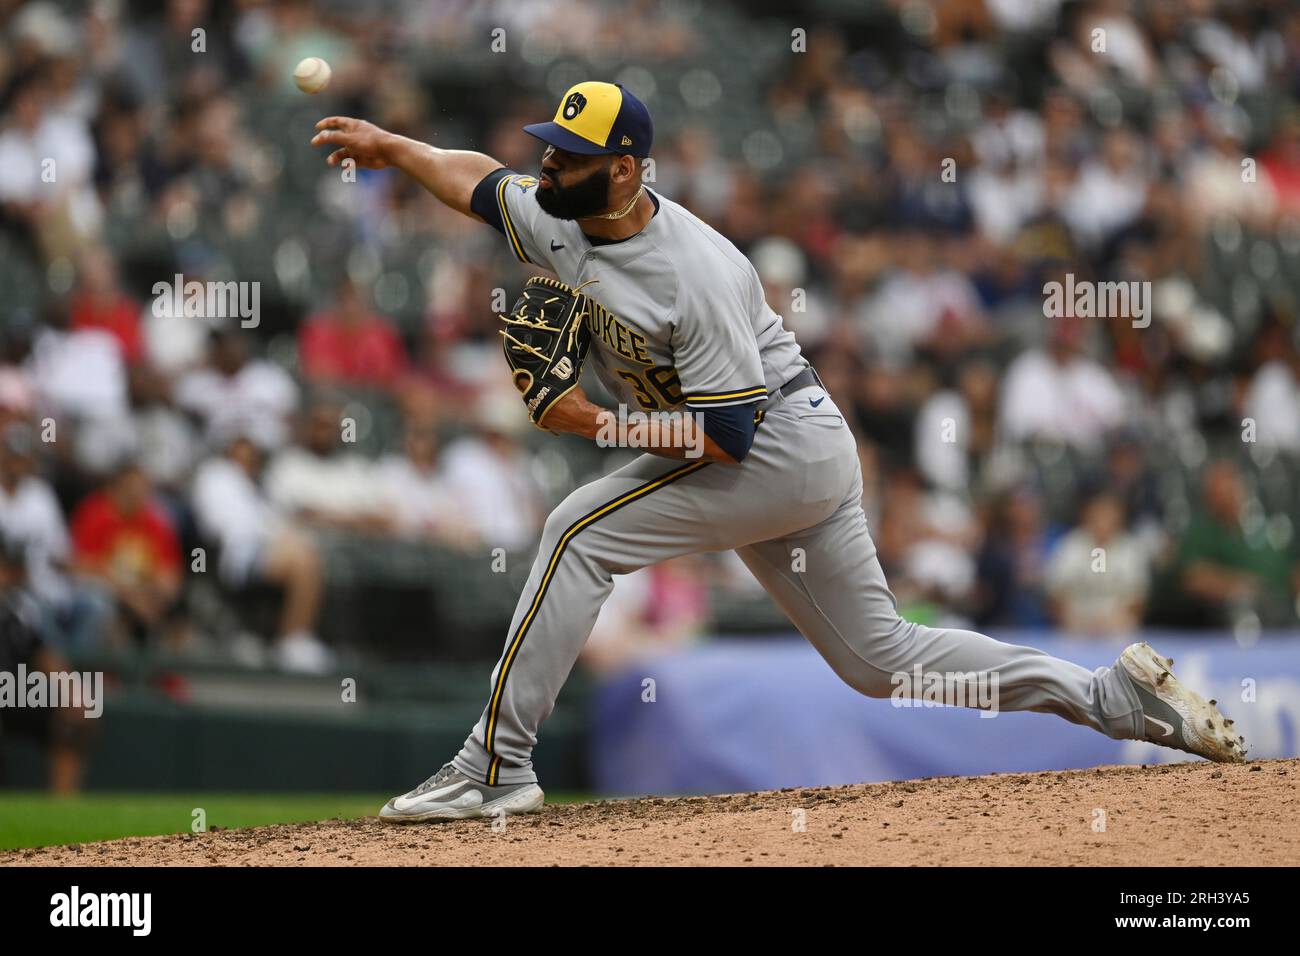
x,y
574,105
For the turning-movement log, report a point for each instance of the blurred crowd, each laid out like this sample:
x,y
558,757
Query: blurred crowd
x,y
906,176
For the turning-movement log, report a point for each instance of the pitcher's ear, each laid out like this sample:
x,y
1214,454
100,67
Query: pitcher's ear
x,y
623,169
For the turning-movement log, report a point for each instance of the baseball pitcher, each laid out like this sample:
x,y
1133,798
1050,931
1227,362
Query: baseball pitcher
x,y
757,459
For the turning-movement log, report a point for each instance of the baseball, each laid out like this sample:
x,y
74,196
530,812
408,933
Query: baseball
x,y
312,74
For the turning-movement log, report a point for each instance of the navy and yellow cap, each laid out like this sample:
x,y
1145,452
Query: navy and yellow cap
x,y
596,118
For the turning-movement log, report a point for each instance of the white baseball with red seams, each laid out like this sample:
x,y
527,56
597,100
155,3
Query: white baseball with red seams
x,y
312,74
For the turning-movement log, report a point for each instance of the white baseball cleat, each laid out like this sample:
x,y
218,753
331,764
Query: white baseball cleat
x,y
450,795
1175,716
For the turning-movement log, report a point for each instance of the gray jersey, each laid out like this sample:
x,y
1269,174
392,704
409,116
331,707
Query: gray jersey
x,y
681,317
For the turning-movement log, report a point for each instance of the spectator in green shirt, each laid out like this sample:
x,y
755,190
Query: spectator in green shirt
x,y
1227,571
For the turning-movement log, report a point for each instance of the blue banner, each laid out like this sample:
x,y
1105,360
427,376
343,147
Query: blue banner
x,y
739,715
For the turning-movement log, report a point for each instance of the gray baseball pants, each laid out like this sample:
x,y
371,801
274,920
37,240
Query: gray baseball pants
x,y
800,487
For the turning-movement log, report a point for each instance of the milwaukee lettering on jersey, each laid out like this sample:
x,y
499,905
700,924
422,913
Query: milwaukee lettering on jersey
x,y
627,342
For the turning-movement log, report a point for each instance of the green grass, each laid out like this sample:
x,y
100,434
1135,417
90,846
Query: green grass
x,y
29,819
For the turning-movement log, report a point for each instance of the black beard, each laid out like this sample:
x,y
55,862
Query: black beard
x,y
587,197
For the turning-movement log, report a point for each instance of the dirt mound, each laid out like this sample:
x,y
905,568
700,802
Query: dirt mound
x,y
1184,814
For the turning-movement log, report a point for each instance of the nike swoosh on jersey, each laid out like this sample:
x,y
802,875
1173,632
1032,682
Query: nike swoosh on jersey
x,y
1168,728
556,248
814,404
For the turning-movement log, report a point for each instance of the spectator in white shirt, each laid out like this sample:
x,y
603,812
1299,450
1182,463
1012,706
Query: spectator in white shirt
x,y
955,427
75,614
489,475
1097,576
154,432
1214,175
174,342
1059,394
319,483
1273,398
48,160
1111,191
236,390
1007,183
418,497
1228,39
922,303
78,373
255,545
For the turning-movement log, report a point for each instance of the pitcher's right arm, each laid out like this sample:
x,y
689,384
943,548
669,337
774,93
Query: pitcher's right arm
x,y
449,174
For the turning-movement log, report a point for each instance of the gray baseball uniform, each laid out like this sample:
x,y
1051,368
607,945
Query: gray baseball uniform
x,y
683,323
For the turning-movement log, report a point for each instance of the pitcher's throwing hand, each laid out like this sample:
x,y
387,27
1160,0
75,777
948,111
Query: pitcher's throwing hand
x,y
357,139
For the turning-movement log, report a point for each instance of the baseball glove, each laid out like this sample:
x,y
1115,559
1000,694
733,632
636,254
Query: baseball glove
x,y
546,340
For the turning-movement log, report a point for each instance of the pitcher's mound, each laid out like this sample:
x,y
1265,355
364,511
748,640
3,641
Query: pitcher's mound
x,y
1192,814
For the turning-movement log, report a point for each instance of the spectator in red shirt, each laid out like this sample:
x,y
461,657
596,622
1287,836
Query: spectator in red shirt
x,y
126,543
351,345
100,303
1281,163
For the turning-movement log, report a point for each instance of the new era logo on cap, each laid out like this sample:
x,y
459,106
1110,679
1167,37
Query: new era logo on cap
x,y
595,118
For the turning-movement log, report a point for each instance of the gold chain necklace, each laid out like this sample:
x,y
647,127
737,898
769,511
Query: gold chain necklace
x,y
626,210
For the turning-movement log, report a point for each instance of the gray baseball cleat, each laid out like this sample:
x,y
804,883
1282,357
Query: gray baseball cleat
x,y
1175,716
450,795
